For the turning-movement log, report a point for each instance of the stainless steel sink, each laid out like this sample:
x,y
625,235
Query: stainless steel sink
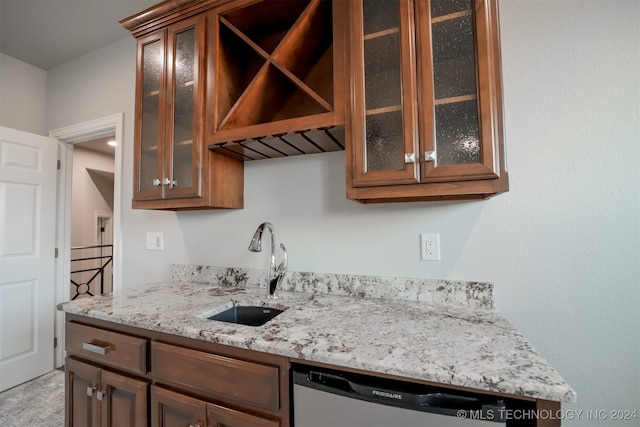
x,y
246,315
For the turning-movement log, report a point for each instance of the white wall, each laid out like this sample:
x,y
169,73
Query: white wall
x,y
22,91
562,247
86,199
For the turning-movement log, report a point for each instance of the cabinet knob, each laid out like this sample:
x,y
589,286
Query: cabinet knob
x,y
410,157
90,391
156,181
167,181
429,156
101,395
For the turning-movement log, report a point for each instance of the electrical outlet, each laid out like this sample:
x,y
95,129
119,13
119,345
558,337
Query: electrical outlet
x,y
155,241
430,247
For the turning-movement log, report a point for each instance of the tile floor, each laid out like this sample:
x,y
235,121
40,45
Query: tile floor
x,y
39,402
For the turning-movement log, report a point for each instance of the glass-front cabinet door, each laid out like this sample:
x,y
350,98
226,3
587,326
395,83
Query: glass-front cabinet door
x,y
453,68
426,101
384,99
149,131
169,134
185,62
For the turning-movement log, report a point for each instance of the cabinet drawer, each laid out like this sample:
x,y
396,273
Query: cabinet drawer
x,y
235,381
107,348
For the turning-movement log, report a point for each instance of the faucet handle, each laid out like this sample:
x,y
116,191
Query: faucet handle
x,y
282,267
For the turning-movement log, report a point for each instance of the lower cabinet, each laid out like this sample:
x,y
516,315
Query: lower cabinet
x,y
238,384
123,376
99,397
171,409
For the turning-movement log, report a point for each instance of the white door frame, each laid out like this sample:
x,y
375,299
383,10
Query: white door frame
x,y
69,135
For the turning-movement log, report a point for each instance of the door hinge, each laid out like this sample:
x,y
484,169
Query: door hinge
x,y
55,342
59,164
56,253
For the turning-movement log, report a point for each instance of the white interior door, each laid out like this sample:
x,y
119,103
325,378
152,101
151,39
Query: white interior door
x,y
27,244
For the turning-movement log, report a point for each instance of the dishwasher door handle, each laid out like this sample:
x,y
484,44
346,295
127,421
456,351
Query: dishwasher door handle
x,y
337,382
432,400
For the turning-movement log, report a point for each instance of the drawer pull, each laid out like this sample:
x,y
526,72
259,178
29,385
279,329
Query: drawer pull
x,y
94,348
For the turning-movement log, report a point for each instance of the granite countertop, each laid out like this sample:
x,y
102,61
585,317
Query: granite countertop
x,y
445,332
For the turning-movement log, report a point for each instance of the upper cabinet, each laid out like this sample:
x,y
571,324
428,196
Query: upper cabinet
x,y
411,89
277,81
172,167
426,104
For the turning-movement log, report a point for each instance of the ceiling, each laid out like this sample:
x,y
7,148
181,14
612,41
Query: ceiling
x,y
47,33
99,144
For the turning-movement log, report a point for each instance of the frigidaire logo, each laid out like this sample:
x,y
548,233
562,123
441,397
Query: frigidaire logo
x,y
387,394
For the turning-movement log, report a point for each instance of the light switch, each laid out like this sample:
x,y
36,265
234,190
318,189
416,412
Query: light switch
x,y
155,241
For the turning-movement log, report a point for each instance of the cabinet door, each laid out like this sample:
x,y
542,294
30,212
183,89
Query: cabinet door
x,y
150,110
384,124
170,103
458,94
124,400
221,416
185,105
82,382
170,409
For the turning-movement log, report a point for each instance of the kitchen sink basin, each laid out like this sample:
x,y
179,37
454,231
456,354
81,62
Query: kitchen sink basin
x,y
246,315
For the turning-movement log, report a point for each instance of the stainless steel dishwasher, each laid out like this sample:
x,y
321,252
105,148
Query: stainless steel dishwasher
x,y
329,398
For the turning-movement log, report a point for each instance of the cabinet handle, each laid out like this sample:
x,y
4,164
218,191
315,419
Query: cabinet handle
x,y
156,181
194,425
98,349
410,157
429,156
101,395
167,181
90,391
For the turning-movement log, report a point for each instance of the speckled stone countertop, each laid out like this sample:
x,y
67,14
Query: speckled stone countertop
x,y
441,331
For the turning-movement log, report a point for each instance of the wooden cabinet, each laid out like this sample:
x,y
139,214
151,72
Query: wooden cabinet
x,y
228,381
277,82
171,409
105,384
100,397
426,105
411,90
118,376
223,82
172,167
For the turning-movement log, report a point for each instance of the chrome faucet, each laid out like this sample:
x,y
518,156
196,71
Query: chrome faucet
x,y
274,274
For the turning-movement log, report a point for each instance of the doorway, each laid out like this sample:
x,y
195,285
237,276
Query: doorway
x,y
91,217
72,137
